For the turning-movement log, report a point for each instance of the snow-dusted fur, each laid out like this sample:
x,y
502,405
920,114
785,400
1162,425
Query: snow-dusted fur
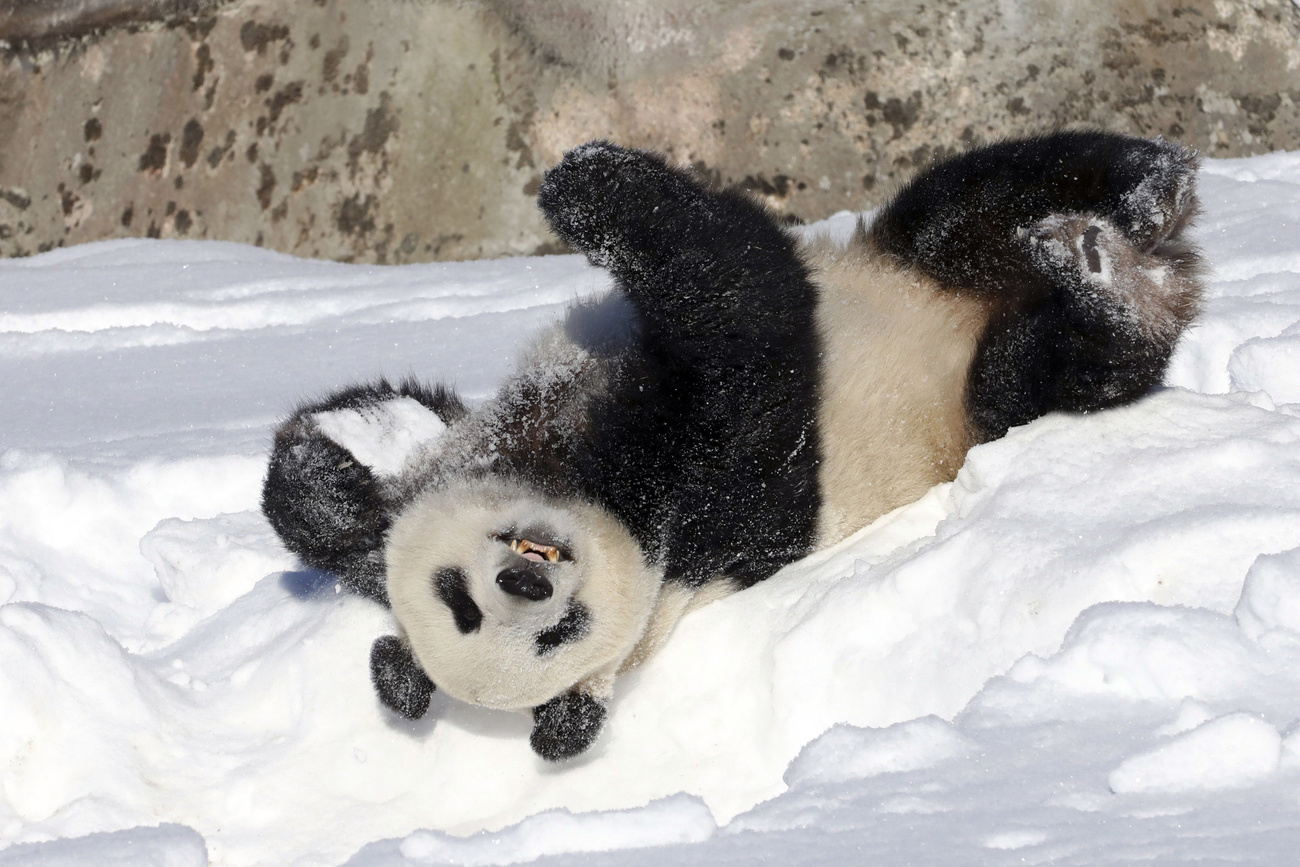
x,y
738,401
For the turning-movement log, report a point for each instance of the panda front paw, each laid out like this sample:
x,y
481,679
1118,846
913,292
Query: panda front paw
x,y
398,679
326,506
613,203
566,726
579,195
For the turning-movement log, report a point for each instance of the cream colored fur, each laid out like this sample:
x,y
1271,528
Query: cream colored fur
x,y
897,348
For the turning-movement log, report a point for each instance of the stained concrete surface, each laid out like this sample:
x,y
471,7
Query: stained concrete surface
x,y
407,130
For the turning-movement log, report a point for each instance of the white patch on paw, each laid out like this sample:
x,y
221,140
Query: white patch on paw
x,y
384,436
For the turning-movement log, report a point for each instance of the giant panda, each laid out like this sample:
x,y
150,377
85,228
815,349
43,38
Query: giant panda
x,y
740,398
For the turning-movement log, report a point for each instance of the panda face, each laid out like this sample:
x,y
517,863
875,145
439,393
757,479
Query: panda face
x,y
509,598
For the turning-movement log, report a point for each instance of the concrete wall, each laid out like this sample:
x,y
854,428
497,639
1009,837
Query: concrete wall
x,y
387,131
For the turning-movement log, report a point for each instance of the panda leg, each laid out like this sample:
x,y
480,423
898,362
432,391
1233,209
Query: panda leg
x,y
960,220
1101,336
328,506
1077,242
698,264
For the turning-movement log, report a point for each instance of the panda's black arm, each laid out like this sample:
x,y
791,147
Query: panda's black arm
x,y
696,263
713,442
326,507
960,221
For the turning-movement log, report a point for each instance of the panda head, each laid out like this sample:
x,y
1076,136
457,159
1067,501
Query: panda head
x,y
509,598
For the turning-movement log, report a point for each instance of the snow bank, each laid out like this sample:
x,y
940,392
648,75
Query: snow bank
x,y
1086,649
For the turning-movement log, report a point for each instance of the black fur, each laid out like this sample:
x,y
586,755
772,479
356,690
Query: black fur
x,y
398,679
708,439
328,508
575,624
452,586
971,223
566,725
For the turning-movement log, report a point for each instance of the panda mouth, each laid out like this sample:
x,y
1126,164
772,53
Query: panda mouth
x,y
537,552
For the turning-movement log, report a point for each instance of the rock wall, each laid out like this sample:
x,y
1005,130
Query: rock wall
x,y
388,131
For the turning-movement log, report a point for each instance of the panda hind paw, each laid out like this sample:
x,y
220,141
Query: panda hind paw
x,y
1078,245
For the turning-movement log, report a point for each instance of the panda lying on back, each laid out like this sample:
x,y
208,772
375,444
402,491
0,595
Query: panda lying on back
x,y
739,400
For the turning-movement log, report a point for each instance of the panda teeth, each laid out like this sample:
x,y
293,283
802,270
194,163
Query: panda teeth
x,y
523,548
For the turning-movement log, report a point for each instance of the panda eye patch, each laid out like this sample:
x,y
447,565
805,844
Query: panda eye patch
x,y
573,626
452,586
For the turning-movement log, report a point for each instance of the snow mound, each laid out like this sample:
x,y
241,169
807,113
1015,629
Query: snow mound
x,y
1226,753
1270,597
1086,649
849,753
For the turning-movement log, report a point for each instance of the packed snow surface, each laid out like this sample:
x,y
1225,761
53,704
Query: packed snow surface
x,y
1085,650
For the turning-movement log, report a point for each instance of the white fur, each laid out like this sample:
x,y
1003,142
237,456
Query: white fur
x,y
497,665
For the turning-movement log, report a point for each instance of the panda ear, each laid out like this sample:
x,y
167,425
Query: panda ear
x,y
566,725
398,679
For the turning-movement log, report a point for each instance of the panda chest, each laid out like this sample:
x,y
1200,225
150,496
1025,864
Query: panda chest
x,y
897,349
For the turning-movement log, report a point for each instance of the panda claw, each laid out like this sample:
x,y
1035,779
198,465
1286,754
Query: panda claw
x,y
398,679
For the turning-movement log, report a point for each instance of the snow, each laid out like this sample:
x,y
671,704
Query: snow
x,y
382,437
1084,650
679,819
1233,751
162,846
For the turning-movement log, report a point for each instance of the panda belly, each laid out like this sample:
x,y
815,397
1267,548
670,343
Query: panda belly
x,y
897,349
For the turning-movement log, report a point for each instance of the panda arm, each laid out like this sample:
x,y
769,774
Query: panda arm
x,y
326,507
696,263
718,413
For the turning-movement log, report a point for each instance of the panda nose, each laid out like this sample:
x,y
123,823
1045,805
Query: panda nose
x,y
522,582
